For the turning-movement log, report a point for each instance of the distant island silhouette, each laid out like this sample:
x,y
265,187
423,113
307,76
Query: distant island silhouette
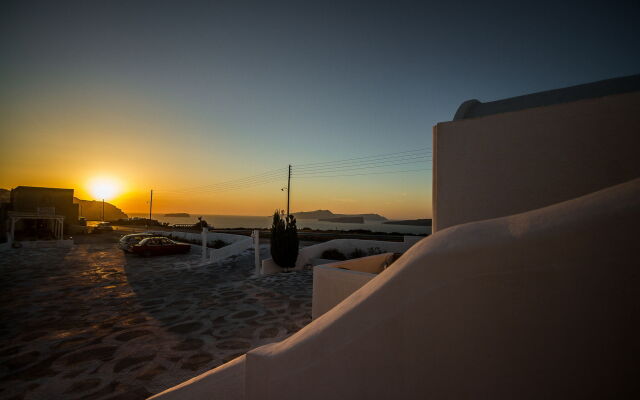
x,y
344,220
179,215
411,222
327,214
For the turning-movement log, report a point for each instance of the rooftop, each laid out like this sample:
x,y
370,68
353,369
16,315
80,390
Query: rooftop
x,y
39,188
474,108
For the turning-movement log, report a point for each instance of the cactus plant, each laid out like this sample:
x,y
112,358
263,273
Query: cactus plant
x,y
284,240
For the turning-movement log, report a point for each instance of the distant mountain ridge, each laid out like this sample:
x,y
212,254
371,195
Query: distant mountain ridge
x,y
326,214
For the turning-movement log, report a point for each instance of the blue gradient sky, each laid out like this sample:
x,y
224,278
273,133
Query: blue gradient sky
x,y
232,88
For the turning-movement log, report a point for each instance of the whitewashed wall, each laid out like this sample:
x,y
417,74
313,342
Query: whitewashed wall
x,y
237,243
345,246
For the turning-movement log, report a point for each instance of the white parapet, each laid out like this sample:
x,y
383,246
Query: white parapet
x,y
204,244
308,255
236,243
256,247
332,285
334,282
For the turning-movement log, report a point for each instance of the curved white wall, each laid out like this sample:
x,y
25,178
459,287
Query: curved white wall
x,y
542,304
537,305
513,162
345,246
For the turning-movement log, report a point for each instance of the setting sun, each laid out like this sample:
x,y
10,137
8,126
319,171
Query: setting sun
x,y
104,188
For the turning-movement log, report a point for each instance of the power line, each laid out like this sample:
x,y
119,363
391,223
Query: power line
x,y
368,159
328,169
377,156
366,173
371,164
245,186
238,186
313,170
252,182
223,184
233,182
365,162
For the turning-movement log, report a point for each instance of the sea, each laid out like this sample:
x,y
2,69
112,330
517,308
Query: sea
x,y
262,222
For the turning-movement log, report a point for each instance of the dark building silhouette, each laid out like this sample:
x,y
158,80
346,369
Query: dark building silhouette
x,y
33,202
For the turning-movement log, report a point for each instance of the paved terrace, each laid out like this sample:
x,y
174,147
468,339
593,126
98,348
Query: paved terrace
x,y
92,323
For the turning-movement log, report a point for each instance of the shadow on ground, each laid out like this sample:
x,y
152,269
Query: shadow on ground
x,y
93,323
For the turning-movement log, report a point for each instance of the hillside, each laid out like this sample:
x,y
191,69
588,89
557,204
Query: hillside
x,y
92,210
344,220
314,214
327,214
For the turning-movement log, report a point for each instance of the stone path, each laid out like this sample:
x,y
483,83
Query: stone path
x,y
92,323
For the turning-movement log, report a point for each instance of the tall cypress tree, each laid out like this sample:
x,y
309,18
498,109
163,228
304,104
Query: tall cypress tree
x,y
284,240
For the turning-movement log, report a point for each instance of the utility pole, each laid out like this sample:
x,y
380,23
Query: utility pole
x,y
150,205
288,189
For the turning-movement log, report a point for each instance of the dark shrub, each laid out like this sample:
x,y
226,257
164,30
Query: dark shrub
x,y
357,253
333,254
217,244
284,240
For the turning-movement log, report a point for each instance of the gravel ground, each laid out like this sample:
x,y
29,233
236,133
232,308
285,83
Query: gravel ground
x,y
93,323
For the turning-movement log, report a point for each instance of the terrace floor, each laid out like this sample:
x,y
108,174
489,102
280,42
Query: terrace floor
x,y
92,323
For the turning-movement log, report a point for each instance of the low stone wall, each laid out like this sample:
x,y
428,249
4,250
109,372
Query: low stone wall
x,y
334,282
332,285
347,246
232,249
211,236
237,243
307,255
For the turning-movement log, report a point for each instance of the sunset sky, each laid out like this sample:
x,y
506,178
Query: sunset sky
x,y
178,96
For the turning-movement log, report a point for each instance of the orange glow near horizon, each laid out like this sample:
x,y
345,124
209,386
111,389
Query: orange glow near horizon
x,y
98,155
122,144
131,194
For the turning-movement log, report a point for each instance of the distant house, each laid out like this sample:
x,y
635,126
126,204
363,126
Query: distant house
x,y
38,213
